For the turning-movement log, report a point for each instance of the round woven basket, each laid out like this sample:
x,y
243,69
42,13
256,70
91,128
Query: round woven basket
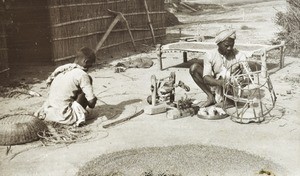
x,y
252,94
20,129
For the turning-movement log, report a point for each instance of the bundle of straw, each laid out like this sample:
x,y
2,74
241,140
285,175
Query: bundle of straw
x,y
290,21
62,134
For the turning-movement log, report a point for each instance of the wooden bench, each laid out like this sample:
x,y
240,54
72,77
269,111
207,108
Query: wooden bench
x,y
250,50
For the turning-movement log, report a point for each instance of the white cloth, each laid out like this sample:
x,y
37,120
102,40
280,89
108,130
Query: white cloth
x,y
61,106
79,112
218,66
62,69
223,35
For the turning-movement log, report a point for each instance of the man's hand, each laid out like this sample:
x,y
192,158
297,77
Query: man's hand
x,y
92,102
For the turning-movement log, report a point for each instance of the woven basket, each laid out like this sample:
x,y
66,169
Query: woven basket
x,y
253,96
20,129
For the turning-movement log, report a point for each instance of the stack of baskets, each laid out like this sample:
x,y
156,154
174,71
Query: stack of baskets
x,y
20,129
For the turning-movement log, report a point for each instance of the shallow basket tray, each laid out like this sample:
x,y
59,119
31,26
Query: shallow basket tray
x,y
212,117
20,129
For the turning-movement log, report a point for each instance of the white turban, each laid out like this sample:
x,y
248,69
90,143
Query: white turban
x,y
223,35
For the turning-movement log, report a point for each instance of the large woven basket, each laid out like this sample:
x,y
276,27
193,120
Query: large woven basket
x,y
252,94
20,129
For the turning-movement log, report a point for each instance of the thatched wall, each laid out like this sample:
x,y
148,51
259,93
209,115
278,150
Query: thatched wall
x,y
43,31
84,22
28,32
3,47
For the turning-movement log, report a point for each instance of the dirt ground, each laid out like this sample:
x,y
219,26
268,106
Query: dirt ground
x,y
122,94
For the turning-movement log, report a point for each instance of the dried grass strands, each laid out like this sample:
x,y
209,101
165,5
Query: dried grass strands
x,y
294,3
62,134
290,21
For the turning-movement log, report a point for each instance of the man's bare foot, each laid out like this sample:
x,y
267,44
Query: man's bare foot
x,y
225,105
207,103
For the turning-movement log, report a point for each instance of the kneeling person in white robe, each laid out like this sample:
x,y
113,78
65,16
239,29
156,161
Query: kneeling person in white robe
x,y
71,91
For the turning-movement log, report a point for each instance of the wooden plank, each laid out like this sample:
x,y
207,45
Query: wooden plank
x,y
129,31
112,25
187,6
149,21
124,119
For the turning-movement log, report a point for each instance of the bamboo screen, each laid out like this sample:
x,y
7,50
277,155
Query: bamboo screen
x,y
3,47
78,23
27,29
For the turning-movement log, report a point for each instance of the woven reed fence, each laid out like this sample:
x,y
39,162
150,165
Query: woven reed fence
x,y
43,31
3,47
84,22
28,33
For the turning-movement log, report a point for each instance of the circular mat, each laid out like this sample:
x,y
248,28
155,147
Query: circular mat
x,y
19,129
180,160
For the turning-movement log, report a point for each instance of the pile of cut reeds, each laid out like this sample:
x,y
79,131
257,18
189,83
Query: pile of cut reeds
x,y
290,21
62,134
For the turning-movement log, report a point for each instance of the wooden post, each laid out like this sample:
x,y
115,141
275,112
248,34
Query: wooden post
x,y
282,48
154,90
149,21
173,79
264,69
112,25
119,17
159,53
129,31
180,33
184,56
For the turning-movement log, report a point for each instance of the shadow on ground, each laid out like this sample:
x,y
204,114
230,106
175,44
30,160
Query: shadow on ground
x,y
111,112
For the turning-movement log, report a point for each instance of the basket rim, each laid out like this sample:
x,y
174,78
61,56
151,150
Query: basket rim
x,y
20,132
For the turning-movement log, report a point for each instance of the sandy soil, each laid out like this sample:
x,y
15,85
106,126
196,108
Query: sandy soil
x,y
121,94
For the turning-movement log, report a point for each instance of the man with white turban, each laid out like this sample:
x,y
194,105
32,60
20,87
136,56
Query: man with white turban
x,y
210,74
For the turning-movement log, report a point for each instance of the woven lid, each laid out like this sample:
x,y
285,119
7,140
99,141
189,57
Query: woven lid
x,y
19,129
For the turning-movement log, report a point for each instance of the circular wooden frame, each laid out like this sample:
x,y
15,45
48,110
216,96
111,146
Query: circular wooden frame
x,y
252,95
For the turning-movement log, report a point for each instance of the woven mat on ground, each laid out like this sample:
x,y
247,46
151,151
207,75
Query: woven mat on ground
x,y
179,160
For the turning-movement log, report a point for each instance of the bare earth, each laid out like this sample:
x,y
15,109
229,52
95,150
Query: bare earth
x,y
122,94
